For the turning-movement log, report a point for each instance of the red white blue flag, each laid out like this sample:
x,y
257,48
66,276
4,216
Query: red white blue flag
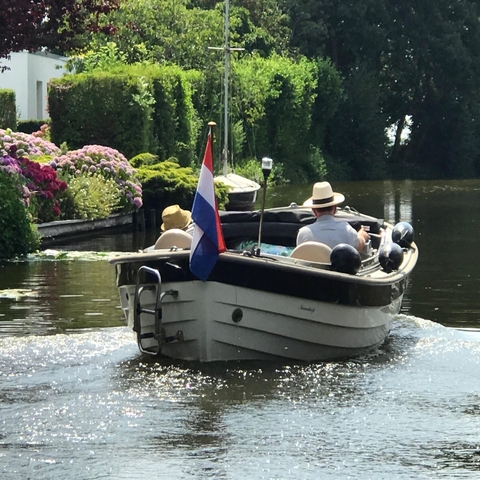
x,y
208,240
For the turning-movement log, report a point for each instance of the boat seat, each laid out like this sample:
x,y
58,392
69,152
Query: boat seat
x,y
173,238
312,251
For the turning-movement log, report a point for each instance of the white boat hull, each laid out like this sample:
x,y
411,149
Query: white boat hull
x,y
261,305
272,326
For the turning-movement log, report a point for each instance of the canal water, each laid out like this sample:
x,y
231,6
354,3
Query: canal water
x,y
78,400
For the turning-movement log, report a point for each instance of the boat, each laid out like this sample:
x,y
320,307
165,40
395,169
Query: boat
x,y
263,298
242,193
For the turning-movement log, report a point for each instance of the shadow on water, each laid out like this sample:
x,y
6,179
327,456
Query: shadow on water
x,y
42,297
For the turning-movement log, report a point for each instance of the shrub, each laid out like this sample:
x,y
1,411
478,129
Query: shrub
x,y
107,162
143,160
25,144
89,197
133,108
40,186
168,183
44,132
17,234
44,188
30,126
8,109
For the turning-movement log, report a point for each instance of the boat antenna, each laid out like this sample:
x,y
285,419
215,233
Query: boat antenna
x,y
226,49
266,169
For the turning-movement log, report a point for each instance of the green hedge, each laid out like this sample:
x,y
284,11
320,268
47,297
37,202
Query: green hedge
x,y
133,109
276,102
167,183
164,110
8,109
17,234
31,126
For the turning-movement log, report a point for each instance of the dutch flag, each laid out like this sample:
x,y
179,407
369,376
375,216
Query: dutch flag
x,y
208,240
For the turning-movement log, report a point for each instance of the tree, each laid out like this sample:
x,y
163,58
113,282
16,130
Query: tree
x,y
432,73
52,24
162,31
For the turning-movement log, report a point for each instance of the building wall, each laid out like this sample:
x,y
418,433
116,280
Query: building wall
x,y
28,76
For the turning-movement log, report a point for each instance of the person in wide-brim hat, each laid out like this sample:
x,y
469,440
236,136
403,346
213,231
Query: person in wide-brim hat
x,y
323,196
175,217
327,229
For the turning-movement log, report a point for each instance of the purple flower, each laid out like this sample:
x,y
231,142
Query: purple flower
x,y
109,163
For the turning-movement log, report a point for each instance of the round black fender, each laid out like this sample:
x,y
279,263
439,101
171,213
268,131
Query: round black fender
x,y
403,234
390,257
345,259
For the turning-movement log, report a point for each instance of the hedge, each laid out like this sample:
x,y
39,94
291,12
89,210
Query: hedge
x,y
31,126
133,109
8,109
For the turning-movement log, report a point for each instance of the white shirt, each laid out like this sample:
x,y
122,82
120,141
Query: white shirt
x,y
329,231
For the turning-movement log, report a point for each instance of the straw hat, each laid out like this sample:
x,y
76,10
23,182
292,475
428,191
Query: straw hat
x,y
323,196
174,217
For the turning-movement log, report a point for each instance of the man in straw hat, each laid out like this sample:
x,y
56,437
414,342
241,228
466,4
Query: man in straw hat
x,y
174,217
326,229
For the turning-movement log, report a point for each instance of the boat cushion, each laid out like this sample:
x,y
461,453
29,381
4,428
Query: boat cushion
x,y
173,238
312,251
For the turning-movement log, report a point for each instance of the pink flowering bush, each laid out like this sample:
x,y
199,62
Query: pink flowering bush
x,y
107,162
44,132
26,144
10,166
38,184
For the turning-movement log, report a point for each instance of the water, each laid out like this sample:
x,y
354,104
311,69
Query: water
x,y
78,400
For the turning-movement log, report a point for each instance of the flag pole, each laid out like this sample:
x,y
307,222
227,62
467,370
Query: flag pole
x,y
210,126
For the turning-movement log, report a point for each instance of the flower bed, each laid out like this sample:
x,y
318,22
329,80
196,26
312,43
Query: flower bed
x,y
88,183
107,162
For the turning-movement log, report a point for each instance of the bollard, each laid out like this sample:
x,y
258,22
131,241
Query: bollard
x,y
153,219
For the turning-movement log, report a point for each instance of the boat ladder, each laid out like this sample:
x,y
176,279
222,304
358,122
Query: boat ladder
x,y
145,332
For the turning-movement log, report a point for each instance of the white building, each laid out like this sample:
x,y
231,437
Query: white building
x,y
28,76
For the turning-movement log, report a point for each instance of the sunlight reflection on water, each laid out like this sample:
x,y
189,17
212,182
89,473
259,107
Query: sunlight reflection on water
x,y
89,401
77,396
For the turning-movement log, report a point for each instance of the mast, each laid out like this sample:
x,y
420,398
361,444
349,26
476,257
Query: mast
x,y
225,98
226,51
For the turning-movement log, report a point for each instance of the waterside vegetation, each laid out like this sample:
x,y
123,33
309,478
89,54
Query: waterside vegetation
x,y
368,90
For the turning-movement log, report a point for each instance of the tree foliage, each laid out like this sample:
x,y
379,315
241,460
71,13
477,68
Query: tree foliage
x,y
383,60
422,58
51,24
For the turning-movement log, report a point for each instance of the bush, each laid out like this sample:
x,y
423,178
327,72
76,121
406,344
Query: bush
x,y
8,109
31,126
135,108
89,197
143,160
25,144
39,186
107,162
44,188
167,183
17,235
